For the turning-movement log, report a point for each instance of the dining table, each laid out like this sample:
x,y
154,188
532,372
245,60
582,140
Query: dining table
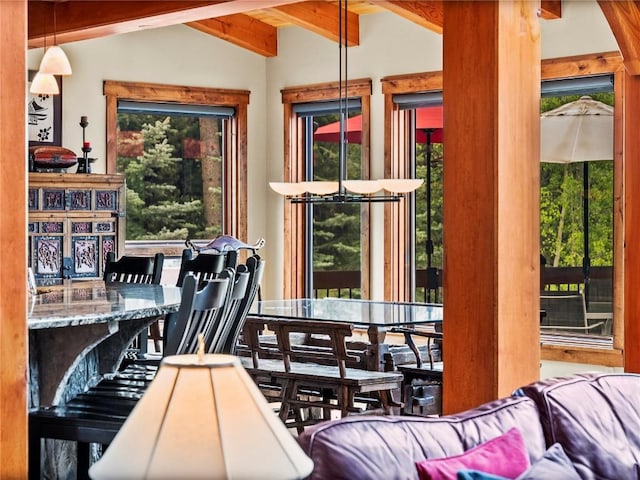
x,y
374,317
80,329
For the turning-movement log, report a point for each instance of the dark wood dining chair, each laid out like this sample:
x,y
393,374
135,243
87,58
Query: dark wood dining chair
x,y
422,385
229,339
205,266
134,269
96,415
130,269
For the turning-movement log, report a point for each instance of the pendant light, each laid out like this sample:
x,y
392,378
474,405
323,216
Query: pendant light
x,y
44,84
345,191
55,61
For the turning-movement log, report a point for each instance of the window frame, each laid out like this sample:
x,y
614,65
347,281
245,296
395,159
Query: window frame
x,y
396,267
295,241
235,141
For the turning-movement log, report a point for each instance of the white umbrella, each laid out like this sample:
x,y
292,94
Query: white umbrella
x,y
579,131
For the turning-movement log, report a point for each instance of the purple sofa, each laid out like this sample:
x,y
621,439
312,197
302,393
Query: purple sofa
x,y
595,417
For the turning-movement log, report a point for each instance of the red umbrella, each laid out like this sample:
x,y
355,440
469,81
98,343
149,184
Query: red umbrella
x,y
331,131
429,118
426,118
429,130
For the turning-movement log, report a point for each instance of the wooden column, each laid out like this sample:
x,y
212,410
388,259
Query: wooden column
x,y
631,214
491,60
13,240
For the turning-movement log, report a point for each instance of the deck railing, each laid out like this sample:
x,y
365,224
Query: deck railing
x,y
346,284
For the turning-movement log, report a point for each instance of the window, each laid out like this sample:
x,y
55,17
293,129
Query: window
x,y
423,112
326,252
576,197
601,76
413,232
334,234
183,152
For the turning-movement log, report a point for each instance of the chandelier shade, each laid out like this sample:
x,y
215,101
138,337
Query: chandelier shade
x,y
362,187
401,185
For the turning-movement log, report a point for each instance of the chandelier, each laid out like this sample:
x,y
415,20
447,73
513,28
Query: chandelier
x,y
343,190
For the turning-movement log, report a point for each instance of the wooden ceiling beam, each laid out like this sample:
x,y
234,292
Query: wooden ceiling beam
x,y
551,9
624,19
243,31
82,20
322,18
427,14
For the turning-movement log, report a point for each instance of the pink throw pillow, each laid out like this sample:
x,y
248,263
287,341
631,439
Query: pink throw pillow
x,y
505,455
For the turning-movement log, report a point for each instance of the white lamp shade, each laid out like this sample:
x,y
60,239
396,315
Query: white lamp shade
x,y
44,83
287,189
363,187
55,62
320,188
401,185
202,419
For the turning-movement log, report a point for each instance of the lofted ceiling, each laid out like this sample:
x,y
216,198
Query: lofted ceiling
x,y
250,24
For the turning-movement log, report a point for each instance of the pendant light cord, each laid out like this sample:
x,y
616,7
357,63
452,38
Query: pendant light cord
x,y
54,24
343,94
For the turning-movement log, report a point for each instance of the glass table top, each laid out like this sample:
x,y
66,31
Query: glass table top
x,y
362,313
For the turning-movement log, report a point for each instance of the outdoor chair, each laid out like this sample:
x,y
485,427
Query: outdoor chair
x,y
566,311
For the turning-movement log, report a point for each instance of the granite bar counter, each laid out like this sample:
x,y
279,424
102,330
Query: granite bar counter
x,y
80,330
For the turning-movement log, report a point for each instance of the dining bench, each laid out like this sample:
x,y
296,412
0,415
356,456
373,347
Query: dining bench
x,y
302,376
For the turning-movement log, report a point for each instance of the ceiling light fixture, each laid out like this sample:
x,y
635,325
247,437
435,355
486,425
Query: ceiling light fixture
x,y
54,61
44,84
345,191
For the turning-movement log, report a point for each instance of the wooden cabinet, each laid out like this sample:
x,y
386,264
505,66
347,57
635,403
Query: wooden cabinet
x,y
74,221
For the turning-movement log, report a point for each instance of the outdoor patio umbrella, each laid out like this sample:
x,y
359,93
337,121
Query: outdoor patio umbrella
x,y
579,131
428,131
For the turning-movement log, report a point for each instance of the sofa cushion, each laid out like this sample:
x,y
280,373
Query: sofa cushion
x,y
596,418
375,447
505,455
554,465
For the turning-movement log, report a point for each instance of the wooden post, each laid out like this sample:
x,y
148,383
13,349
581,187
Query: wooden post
x,y
491,59
631,217
13,241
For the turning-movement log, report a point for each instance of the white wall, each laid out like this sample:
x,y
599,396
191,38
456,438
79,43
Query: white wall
x,y
177,55
389,45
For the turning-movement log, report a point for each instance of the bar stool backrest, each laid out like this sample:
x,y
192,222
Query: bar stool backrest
x,y
130,269
205,266
198,309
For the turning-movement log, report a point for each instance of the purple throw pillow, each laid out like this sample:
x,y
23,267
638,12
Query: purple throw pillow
x,y
505,455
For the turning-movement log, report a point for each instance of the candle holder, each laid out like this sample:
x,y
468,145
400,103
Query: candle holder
x,y
84,163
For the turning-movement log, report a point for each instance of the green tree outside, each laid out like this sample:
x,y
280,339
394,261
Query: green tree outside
x,y
164,191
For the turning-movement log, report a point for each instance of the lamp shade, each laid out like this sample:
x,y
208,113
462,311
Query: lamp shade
x,y
401,185
320,187
55,62
364,187
202,417
287,189
44,83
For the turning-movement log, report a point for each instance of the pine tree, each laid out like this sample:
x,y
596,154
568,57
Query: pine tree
x,y
155,208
